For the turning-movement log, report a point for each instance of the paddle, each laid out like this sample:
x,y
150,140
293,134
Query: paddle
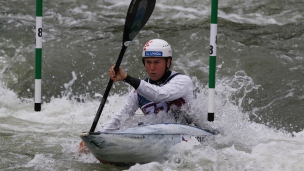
x,y
138,14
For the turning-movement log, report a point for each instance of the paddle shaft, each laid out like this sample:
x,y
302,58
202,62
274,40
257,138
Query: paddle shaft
x,y
109,86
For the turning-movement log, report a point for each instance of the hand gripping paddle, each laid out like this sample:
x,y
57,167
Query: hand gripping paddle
x,y
138,14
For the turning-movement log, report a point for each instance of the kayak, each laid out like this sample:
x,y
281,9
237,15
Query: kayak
x,y
140,144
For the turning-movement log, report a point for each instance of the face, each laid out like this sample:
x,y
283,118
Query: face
x,y
156,67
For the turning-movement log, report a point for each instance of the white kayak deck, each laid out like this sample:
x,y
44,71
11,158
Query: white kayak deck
x,y
140,144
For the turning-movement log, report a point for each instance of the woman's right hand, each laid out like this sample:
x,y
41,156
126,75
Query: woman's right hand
x,y
119,76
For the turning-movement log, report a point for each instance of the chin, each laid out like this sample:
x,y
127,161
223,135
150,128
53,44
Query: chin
x,y
153,79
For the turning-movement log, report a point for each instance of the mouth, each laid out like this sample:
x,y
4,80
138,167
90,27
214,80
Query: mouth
x,y
152,74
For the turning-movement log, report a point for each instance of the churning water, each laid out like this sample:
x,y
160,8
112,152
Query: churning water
x,y
259,81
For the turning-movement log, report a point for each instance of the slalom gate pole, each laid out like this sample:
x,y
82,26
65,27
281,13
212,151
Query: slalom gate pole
x,y
212,60
38,58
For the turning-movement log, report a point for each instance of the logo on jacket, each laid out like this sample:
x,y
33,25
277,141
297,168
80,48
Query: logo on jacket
x,y
151,107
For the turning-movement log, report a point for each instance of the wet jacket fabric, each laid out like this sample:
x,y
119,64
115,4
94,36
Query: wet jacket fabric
x,y
151,98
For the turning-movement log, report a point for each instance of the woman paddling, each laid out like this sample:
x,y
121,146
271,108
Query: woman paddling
x,y
163,91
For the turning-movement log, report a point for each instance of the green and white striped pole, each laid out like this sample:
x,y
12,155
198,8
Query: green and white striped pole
x,y
38,55
212,60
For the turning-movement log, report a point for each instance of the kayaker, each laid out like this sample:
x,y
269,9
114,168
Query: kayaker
x,y
164,90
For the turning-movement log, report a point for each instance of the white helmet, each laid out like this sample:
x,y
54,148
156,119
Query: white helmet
x,y
157,48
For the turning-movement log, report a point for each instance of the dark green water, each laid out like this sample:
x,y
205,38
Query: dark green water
x,y
259,79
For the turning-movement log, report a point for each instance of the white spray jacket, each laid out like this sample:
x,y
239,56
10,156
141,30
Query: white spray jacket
x,y
179,87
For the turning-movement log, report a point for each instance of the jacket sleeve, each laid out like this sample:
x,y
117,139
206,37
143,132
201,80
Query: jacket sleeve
x,y
177,87
128,109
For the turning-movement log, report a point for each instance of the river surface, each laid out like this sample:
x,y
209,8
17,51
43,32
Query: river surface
x,y
259,81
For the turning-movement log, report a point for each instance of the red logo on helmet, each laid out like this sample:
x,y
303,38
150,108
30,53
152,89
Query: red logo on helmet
x,y
147,44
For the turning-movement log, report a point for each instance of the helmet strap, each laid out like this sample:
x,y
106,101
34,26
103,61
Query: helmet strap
x,y
143,61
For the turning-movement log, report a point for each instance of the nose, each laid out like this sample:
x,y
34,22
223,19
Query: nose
x,y
152,66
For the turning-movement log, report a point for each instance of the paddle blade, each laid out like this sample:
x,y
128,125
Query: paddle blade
x,y
139,13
